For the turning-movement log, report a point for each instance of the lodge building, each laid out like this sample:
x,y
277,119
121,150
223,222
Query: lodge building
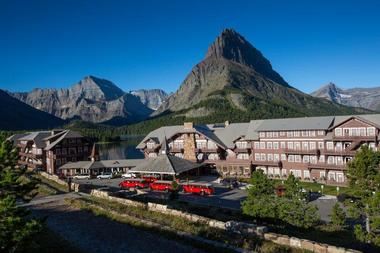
x,y
48,150
312,148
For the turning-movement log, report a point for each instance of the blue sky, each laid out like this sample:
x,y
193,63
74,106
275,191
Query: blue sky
x,y
154,44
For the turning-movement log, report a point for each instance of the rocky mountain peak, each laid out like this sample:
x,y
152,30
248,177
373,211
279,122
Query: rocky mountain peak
x,y
232,46
329,91
92,87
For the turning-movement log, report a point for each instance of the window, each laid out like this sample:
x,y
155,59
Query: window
x,y
63,151
339,177
257,145
72,151
313,159
331,175
322,159
312,133
283,157
297,145
243,156
322,174
64,160
306,174
305,159
370,131
270,157
312,145
58,162
275,145
282,133
283,172
269,145
58,152
262,134
180,155
339,160
296,173
262,145
263,157
276,171
152,155
211,145
275,134
85,149
291,158
80,150
297,158
203,143
362,131
276,157
269,134
241,144
320,132
330,160
282,144
296,133
257,157
338,146
73,159
305,133
290,145
320,145
289,134
305,145
330,145
338,131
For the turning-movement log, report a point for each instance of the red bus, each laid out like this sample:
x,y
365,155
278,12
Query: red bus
x,y
149,178
198,188
134,183
161,185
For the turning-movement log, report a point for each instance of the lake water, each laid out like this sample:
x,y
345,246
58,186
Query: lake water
x,y
119,150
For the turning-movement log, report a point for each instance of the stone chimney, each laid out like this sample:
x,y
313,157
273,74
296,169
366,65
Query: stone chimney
x,y
94,154
188,125
189,147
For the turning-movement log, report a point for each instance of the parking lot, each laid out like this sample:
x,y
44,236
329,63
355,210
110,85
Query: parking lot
x,y
223,197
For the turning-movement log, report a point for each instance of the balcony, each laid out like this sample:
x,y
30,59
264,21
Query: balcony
x,y
268,163
301,151
354,138
206,150
340,152
326,166
30,155
176,150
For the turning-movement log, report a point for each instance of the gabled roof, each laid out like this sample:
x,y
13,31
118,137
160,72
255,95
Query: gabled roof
x,y
14,138
230,133
36,137
165,164
60,136
371,119
122,163
306,123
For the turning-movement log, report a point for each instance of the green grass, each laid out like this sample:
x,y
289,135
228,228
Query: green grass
x,y
52,184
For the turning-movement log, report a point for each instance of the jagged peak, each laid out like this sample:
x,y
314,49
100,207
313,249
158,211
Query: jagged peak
x,y
232,46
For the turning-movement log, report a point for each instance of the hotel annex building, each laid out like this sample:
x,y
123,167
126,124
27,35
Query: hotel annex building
x,y
312,148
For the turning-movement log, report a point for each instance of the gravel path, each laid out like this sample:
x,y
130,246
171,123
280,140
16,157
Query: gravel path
x,y
91,233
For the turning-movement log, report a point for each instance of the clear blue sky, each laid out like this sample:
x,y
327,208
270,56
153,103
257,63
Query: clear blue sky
x,y
154,44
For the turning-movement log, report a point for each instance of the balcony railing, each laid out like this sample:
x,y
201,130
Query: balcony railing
x,y
268,163
326,166
354,138
206,150
341,152
301,151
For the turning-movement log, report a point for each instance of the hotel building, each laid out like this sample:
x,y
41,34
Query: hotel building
x,y
312,148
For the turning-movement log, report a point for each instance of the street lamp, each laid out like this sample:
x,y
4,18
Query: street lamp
x,y
337,190
322,186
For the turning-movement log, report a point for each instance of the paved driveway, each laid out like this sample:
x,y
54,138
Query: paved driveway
x,y
223,197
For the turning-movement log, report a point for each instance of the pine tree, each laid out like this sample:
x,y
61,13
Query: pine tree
x,y
338,216
15,229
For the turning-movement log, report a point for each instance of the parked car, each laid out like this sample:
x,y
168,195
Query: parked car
x,y
82,176
150,178
134,183
128,175
198,188
161,185
230,183
105,175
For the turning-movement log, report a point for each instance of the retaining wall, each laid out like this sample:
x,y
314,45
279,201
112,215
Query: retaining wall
x,y
237,227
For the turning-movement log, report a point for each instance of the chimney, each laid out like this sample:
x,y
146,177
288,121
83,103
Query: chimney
x,y
226,123
188,125
94,154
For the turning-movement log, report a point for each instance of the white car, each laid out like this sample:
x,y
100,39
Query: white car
x,y
105,175
82,176
128,175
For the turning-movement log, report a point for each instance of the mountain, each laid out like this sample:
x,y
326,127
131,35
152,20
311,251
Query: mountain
x,y
359,97
235,81
151,98
92,99
16,115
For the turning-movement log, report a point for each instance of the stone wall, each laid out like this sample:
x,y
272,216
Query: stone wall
x,y
55,178
232,226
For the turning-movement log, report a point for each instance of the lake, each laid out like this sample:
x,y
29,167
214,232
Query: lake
x,y
119,150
